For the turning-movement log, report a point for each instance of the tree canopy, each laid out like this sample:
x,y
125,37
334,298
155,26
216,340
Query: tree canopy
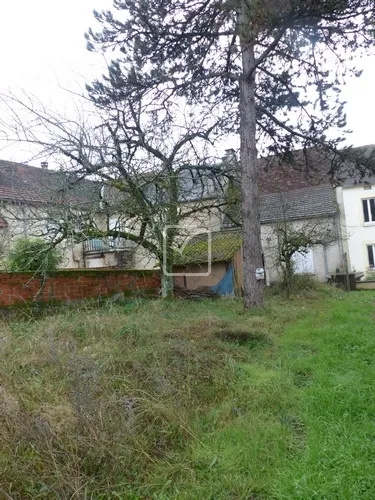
x,y
272,67
303,52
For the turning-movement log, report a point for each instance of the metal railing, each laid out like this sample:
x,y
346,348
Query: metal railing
x,y
104,245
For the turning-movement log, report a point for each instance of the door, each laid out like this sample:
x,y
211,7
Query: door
x,y
303,262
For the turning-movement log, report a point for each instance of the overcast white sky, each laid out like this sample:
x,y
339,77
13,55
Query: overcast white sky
x,y
42,42
42,46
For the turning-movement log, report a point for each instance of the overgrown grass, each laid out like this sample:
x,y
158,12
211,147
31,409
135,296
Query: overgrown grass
x,y
184,400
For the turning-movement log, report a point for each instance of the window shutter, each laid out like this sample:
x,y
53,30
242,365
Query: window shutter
x,y
365,211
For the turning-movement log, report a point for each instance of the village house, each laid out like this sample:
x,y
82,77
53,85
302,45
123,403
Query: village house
x,y
357,210
30,197
34,199
286,195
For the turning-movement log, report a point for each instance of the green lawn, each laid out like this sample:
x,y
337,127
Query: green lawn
x,y
183,400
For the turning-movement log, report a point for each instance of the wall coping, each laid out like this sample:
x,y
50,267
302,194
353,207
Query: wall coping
x,y
86,272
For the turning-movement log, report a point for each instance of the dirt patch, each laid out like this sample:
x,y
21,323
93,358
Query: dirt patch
x,y
294,424
302,378
9,404
242,337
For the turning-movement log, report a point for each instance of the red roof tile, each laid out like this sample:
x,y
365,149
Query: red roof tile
x,y
24,183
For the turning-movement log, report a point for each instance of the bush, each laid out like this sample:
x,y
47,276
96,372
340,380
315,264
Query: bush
x,y
33,254
303,282
370,275
298,284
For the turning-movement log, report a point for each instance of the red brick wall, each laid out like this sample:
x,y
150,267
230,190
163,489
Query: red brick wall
x,y
16,288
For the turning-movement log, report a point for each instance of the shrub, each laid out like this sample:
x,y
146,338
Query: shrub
x,y
370,275
33,254
299,284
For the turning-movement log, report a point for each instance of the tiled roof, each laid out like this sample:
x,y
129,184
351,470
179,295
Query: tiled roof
x,y
224,244
304,170
316,167
299,204
27,184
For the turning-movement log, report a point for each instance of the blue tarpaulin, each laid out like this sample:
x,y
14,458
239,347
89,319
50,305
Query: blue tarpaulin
x,y
225,285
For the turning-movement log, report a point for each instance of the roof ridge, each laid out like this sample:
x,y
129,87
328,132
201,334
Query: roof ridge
x,y
11,163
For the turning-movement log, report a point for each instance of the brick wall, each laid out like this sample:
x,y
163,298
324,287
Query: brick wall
x,y
17,288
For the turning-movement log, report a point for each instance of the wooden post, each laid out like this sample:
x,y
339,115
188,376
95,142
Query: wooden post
x,y
347,278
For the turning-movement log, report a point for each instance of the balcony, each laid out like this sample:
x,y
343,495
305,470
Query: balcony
x,y
104,245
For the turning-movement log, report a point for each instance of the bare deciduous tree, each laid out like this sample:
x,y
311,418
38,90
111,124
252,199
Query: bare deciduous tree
x,y
154,166
289,238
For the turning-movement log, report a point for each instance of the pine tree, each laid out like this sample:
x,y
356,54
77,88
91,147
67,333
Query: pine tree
x,y
273,68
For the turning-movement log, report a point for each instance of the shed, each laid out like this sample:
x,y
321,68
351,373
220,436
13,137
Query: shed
x,y
207,258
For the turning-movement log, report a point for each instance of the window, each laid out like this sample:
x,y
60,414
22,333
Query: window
x,y
369,209
371,256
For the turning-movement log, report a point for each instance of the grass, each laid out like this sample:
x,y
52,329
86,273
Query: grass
x,y
184,400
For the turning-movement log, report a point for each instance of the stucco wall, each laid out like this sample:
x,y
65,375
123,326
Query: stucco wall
x,y
142,259
359,233
206,218
218,269
325,260
24,221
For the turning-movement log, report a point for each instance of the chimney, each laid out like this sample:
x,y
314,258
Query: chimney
x,y
44,165
230,158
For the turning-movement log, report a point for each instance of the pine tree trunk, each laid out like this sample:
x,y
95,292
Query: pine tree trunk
x,y
252,247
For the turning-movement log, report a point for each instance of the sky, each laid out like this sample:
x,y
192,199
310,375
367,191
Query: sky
x,y
42,42
43,49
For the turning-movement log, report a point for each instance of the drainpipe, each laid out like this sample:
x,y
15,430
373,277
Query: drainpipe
x,y
325,261
339,231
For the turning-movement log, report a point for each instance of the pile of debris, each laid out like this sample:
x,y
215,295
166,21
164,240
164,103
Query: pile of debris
x,y
203,292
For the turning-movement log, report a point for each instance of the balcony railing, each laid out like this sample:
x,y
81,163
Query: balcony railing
x,y
104,245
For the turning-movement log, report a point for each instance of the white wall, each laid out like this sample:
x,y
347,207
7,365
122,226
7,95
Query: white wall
x,y
324,260
359,233
142,259
29,222
205,219
321,261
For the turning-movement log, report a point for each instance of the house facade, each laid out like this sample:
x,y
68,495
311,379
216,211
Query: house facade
x,y
33,200
31,197
357,208
209,254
